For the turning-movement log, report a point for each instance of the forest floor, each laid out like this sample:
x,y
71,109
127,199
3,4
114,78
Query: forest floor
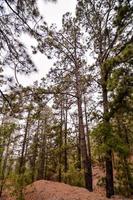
x,y
50,190
47,190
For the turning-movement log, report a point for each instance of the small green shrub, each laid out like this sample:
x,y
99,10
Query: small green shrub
x,y
124,179
74,176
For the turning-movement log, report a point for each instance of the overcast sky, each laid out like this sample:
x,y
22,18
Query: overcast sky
x,y
52,13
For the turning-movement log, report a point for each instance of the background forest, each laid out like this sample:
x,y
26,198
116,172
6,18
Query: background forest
x,y
78,117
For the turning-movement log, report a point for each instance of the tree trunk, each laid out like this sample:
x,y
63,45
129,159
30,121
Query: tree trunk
x,y
108,156
35,152
60,144
85,159
42,155
79,151
65,152
22,159
4,166
109,174
88,140
78,145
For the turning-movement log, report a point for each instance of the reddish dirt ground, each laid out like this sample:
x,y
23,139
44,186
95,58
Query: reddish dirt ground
x,y
49,190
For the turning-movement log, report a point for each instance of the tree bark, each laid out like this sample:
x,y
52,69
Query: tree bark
x,y
88,141
65,152
108,156
85,158
109,174
4,166
35,152
22,159
42,155
60,144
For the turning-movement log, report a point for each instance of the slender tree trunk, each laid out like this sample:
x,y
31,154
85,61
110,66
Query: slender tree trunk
x,y
85,159
22,159
88,140
22,162
60,144
108,157
79,154
46,165
65,152
2,142
87,130
42,156
4,168
35,152
78,147
109,174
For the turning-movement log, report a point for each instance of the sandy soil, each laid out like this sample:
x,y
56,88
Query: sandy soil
x,y
48,190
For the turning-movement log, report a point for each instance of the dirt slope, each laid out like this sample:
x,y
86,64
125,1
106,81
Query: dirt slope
x,y
48,190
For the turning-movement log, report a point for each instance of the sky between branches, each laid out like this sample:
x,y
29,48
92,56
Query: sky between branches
x,y
52,13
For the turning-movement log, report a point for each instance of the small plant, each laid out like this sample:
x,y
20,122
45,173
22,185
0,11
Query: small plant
x,y
124,178
101,182
74,176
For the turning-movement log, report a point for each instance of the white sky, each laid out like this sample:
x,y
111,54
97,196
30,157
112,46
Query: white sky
x,y
52,13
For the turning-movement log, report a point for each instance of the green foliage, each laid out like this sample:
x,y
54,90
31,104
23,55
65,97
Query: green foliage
x,y
124,10
103,139
102,182
106,138
74,176
18,183
124,177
